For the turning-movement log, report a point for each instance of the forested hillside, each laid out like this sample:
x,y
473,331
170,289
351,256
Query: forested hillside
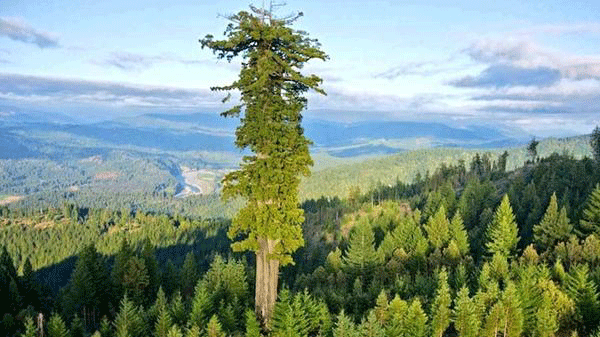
x,y
469,250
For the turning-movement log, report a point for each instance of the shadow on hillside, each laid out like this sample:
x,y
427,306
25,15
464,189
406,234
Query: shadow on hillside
x,y
205,245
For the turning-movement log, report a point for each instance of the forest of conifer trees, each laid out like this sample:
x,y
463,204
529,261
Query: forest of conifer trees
x,y
469,250
462,252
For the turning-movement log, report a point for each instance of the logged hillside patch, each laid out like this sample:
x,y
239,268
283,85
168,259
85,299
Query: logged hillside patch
x,y
7,199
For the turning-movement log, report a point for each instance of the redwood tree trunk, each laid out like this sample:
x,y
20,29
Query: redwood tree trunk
x,y
267,277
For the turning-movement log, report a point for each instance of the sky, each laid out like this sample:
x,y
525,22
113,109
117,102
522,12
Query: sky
x,y
526,66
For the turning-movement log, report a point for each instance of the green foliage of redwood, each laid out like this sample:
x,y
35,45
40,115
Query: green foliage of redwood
x,y
271,90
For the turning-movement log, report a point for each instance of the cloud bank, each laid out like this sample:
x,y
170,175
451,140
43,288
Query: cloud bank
x,y
17,29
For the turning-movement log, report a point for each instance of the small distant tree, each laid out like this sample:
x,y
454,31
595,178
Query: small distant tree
x,y
595,143
532,149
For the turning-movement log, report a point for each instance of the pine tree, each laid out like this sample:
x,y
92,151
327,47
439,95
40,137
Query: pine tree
x,y
466,318
513,314
136,280
189,274
381,308
120,265
554,226
170,278
583,290
77,329
176,332
163,323
590,223
437,228
129,322
57,327
503,231
289,318
213,329
194,331
272,89
415,321
202,306
532,149
105,328
152,270
88,290
441,306
397,312
252,326
595,143
177,309
30,328
361,256
344,327
458,233
546,324
371,327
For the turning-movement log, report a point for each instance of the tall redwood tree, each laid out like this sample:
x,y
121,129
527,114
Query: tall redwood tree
x,y
271,90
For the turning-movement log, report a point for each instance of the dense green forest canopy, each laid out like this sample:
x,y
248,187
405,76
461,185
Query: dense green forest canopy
x,y
406,259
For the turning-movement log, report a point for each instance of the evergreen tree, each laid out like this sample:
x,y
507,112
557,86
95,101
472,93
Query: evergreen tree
x,y
77,328
381,308
583,290
129,321
458,234
177,309
194,331
163,323
513,314
595,143
202,306
441,306
532,149
30,328
554,226
120,266
344,327
503,232
590,223
136,280
271,87
371,327
397,312
546,324
437,228
152,270
106,329
170,278
176,332
57,327
213,328
289,318
189,274
466,318
415,321
252,326
361,256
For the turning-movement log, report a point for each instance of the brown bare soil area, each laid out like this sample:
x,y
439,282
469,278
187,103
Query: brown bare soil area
x,y
106,176
10,199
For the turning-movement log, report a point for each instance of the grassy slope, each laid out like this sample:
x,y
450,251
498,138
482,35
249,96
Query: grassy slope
x,y
336,179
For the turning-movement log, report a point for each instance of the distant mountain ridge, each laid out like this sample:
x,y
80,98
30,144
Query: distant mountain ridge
x,y
203,131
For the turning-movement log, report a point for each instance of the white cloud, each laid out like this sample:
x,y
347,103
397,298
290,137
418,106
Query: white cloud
x,y
18,30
